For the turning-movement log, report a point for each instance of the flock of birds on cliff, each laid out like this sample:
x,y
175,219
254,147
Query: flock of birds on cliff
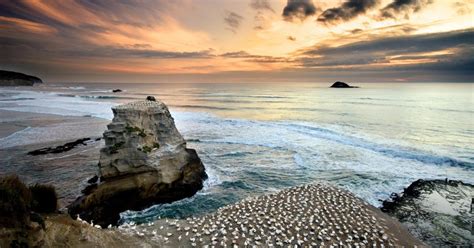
x,y
308,216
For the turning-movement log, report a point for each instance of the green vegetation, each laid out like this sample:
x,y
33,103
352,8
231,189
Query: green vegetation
x,y
44,198
139,131
15,202
116,146
146,149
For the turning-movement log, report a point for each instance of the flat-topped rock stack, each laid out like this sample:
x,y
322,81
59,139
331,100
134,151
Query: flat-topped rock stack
x,y
145,161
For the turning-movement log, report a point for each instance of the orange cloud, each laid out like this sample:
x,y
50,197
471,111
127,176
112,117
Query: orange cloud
x,y
11,24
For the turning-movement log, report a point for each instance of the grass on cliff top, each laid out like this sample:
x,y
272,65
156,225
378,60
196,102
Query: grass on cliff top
x,y
17,201
44,198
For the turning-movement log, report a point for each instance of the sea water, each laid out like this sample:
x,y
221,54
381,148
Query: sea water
x,y
259,138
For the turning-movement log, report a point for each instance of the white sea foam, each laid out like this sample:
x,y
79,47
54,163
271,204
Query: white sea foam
x,y
55,103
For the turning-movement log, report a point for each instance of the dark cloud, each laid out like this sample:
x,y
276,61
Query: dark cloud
x,y
233,21
255,58
398,49
348,10
298,9
403,7
134,51
292,38
261,5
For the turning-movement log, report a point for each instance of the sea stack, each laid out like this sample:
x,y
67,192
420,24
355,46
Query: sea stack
x,y
339,84
144,162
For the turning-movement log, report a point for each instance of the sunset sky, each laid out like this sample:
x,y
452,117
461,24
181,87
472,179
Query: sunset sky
x,y
239,40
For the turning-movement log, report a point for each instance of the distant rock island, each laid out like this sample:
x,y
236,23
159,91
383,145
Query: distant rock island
x,y
144,162
11,78
339,84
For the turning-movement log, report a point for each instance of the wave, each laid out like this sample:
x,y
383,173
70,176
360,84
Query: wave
x,y
95,97
235,154
75,88
201,107
396,152
17,99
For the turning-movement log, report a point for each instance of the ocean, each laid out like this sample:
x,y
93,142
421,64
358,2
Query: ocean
x,y
259,138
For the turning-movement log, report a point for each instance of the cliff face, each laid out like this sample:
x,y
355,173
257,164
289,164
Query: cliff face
x,y
142,138
144,161
10,78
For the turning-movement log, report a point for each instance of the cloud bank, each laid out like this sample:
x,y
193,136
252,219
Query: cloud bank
x,y
348,10
298,10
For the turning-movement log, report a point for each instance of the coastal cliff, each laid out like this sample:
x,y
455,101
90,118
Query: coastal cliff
x,y
145,161
11,78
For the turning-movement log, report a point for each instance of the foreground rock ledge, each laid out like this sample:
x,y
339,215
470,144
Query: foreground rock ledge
x,y
436,211
145,161
316,215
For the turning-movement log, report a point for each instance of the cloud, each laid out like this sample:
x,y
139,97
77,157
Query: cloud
x,y
463,7
403,7
255,58
427,51
298,9
233,21
292,38
348,10
261,5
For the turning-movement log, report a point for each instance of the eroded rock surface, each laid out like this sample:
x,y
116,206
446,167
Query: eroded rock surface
x,y
439,212
144,161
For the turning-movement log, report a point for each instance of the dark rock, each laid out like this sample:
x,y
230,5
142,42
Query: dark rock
x,y
89,189
93,179
10,78
151,98
59,149
116,90
339,84
436,211
141,191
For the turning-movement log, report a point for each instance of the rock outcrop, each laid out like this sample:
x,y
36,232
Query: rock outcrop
x,y
145,161
10,78
339,84
439,212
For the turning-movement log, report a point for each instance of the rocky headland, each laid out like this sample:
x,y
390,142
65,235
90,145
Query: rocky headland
x,y
436,211
144,162
11,78
339,84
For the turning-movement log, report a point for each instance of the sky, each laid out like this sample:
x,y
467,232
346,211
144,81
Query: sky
x,y
239,40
